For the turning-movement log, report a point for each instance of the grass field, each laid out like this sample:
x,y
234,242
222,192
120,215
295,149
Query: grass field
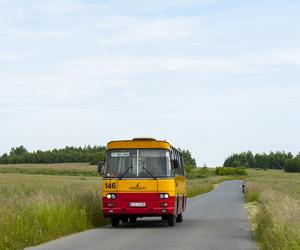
x,y
38,208
70,169
274,208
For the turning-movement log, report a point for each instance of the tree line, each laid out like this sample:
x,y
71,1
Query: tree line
x,y
90,154
272,160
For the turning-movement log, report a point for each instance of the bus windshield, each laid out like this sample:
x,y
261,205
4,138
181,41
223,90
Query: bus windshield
x,y
138,163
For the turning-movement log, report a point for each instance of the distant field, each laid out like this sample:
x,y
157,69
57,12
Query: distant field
x,y
274,208
72,169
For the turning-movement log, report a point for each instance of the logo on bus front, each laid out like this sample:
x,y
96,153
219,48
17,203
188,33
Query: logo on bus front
x,y
137,186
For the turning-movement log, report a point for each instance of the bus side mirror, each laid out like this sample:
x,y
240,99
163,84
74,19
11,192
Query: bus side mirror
x,y
175,163
100,167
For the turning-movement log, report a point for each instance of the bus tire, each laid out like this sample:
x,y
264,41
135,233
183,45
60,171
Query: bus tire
x,y
179,218
164,217
171,220
132,219
115,221
124,220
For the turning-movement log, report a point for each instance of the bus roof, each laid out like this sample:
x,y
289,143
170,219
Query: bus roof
x,y
139,143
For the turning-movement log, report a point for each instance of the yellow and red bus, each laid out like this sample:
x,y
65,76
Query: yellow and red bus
x,y
143,177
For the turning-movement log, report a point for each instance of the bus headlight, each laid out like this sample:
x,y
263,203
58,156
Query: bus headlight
x,y
111,196
164,196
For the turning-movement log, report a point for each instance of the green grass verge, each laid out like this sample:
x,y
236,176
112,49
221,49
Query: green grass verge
x,y
276,217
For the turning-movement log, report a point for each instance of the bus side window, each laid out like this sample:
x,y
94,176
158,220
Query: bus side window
x,y
178,169
180,164
173,158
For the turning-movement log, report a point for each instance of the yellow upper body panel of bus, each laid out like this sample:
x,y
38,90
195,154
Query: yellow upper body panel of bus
x,y
138,143
172,186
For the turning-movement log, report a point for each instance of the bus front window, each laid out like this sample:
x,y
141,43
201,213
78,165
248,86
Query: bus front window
x,y
138,163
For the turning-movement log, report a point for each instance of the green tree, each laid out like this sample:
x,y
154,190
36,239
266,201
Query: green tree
x,y
18,151
188,159
4,159
293,165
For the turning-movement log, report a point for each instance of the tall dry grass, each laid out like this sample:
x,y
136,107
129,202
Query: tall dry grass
x,y
35,209
277,218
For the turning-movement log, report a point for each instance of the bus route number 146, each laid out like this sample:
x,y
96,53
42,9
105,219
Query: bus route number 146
x,y
110,185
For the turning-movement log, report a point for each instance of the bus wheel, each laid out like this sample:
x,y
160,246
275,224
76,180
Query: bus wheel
x,y
124,220
171,220
132,219
179,218
164,217
115,221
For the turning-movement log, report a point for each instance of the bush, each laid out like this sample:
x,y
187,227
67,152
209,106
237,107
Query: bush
x,y
230,171
292,165
192,172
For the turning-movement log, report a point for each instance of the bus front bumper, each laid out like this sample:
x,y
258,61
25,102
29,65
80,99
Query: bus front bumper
x,y
138,205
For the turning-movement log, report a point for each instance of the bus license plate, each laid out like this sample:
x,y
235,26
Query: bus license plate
x,y
137,204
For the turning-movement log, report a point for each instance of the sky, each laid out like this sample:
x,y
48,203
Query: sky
x,y
215,77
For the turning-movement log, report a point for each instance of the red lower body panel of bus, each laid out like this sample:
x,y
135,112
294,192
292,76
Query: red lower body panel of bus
x,y
139,204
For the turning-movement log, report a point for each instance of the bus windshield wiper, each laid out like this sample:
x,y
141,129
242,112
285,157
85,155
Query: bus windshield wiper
x,y
149,173
126,171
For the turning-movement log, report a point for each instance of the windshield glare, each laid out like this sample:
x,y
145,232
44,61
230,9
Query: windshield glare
x,y
138,163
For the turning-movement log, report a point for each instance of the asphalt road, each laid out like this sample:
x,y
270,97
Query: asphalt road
x,y
213,221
